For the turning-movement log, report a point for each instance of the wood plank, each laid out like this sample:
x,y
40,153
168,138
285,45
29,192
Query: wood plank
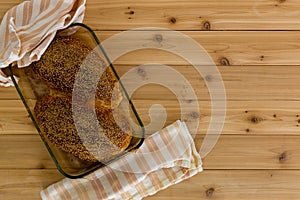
x,y
26,184
254,152
236,185
241,82
193,15
209,184
225,48
8,93
14,118
6,5
242,117
24,152
238,48
231,152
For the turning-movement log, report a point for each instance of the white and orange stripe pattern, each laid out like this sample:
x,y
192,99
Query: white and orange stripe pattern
x,y
165,158
27,29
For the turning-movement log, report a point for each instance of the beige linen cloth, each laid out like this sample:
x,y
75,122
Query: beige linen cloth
x,y
27,30
165,158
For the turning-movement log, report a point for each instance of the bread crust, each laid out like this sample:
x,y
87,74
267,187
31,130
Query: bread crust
x,y
61,62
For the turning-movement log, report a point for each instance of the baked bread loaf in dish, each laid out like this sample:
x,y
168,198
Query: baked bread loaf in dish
x,y
54,115
61,62
91,138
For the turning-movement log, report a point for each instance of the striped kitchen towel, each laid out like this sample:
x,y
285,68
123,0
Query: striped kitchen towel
x,y
167,157
27,30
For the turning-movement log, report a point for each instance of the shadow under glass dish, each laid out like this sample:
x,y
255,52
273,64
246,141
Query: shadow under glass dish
x,y
30,89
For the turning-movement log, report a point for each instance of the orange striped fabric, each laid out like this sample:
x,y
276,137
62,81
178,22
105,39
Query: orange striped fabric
x,y
27,30
166,158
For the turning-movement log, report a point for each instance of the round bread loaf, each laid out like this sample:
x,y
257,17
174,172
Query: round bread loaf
x,y
62,60
55,118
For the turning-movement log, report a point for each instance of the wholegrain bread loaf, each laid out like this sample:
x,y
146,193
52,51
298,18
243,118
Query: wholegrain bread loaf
x,y
61,62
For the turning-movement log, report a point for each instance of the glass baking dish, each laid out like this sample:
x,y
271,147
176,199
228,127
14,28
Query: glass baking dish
x,y
30,89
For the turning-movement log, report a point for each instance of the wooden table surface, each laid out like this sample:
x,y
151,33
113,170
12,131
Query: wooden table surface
x,y
256,46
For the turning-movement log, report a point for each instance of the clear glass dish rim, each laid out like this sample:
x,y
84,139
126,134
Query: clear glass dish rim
x,y
123,88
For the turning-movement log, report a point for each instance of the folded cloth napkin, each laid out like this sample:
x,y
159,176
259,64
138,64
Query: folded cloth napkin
x,y
27,30
167,157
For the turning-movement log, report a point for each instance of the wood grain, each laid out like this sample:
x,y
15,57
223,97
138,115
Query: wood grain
x,y
247,83
209,184
8,93
14,118
242,117
188,15
28,152
6,5
236,184
227,48
194,15
231,152
238,48
25,184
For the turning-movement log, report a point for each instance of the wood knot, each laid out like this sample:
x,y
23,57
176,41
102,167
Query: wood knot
x,y
274,115
256,120
130,12
209,192
224,61
282,157
172,20
206,25
189,100
262,58
158,38
299,121
194,115
208,78
141,72
41,166
247,130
